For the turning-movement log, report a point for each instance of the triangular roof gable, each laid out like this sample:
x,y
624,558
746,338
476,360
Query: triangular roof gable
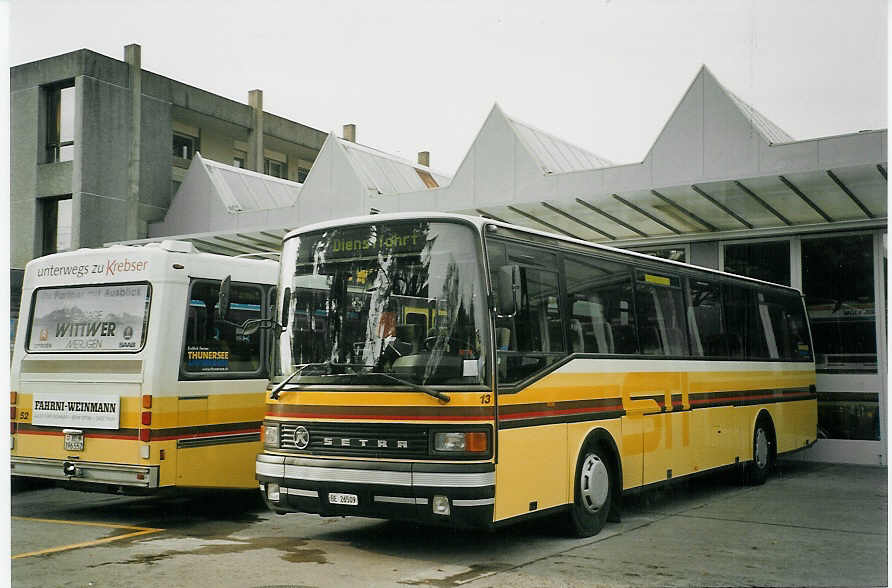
x,y
194,198
715,123
333,186
503,150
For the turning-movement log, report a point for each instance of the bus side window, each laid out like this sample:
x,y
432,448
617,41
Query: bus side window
x,y
705,319
532,338
743,323
216,347
660,308
600,306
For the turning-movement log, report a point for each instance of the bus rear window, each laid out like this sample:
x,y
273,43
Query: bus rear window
x,y
79,319
213,347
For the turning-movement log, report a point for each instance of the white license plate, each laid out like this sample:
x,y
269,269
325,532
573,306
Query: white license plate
x,y
348,499
74,441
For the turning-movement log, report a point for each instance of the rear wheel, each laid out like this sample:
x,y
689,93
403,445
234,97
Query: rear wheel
x,y
594,485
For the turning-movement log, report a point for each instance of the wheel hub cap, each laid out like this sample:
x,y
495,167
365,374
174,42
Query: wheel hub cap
x,y
594,483
761,448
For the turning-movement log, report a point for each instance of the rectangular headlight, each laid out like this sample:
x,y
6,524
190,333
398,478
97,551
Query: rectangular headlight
x,y
467,442
270,435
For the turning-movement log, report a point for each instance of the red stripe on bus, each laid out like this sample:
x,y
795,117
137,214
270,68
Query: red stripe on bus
x,y
527,415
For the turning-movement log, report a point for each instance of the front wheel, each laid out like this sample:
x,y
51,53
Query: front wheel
x,y
763,453
594,481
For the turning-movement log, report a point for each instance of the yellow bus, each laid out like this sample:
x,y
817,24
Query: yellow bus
x,y
555,376
124,379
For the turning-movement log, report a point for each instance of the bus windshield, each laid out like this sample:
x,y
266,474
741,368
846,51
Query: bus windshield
x,y
399,299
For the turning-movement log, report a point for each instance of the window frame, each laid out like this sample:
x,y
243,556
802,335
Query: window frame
x,y
52,128
146,317
262,371
194,147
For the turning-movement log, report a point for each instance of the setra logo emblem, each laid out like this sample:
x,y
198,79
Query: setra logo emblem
x,y
301,437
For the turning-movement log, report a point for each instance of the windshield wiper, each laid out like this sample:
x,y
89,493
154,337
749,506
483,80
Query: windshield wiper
x,y
420,387
327,364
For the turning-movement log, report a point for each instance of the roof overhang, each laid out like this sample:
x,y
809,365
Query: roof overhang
x,y
852,197
261,243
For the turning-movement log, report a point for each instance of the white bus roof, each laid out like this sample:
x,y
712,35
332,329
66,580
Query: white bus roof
x,y
481,222
151,262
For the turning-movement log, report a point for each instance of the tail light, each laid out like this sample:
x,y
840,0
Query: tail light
x,y
145,434
13,397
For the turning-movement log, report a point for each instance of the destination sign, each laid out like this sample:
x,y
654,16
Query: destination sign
x,y
366,241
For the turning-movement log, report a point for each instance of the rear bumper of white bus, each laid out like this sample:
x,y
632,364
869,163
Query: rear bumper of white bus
x,y
85,472
457,494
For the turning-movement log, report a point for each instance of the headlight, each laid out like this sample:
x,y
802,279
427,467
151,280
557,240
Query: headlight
x,y
270,435
467,442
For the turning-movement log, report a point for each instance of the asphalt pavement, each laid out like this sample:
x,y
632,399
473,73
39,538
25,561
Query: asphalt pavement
x,y
809,525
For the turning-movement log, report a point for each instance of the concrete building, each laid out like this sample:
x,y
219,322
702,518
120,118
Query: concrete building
x,y
99,146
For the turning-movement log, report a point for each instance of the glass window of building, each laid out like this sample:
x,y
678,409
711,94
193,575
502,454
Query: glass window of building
x,y
838,284
837,281
673,253
56,216
769,261
274,168
60,123
239,158
184,146
302,174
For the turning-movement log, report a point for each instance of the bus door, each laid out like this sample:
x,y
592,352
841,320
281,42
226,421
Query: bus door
x,y
532,436
220,398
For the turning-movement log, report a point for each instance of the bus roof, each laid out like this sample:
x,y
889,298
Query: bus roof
x,y
154,261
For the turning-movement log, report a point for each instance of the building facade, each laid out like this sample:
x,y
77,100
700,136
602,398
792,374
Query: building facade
x,y
99,147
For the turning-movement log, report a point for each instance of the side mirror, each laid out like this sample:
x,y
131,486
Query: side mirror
x,y
223,299
286,306
507,287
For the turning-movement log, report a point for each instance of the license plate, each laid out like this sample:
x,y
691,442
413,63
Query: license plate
x,y
348,499
74,441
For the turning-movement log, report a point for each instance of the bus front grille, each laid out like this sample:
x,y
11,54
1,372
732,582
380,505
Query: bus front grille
x,y
390,440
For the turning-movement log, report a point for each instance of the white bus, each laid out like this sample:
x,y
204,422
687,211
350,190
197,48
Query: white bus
x,y
125,380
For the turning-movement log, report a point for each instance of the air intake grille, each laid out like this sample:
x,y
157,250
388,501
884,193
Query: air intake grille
x,y
359,439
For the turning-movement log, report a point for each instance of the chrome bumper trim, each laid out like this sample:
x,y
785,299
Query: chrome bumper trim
x,y
400,500
87,471
480,502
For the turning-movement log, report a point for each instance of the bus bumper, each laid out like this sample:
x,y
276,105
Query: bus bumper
x,y
390,490
85,472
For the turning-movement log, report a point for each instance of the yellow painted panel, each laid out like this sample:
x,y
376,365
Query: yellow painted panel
x,y
532,468
192,412
218,466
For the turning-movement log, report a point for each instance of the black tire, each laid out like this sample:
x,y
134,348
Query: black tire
x,y
763,453
593,495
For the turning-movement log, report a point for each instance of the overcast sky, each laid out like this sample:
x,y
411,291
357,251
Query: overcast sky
x,y
422,75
